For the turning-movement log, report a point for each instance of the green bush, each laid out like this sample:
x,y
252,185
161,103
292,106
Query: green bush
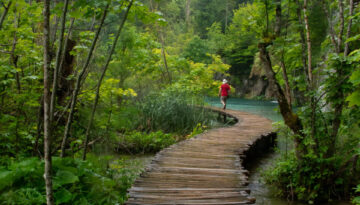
x,y
95,181
139,142
311,180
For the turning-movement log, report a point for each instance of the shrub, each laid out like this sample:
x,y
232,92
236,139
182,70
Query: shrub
x,y
139,142
95,181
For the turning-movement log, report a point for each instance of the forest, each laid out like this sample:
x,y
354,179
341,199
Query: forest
x,y
83,82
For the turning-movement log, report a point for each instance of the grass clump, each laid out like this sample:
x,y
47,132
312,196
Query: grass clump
x,y
173,112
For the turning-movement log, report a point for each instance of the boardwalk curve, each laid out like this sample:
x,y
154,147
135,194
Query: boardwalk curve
x,y
205,169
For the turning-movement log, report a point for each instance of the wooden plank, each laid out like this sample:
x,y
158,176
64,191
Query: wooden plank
x,y
203,170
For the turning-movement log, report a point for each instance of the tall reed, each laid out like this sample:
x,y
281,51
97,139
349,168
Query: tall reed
x,y
173,111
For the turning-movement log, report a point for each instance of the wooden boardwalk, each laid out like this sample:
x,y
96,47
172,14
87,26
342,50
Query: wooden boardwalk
x,y
203,170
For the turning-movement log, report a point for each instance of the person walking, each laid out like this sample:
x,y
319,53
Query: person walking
x,y
224,92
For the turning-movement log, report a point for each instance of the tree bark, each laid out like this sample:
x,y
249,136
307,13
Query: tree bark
x,y
58,61
287,85
290,118
348,32
278,18
78,82
47,98
341,30
102,77
163,53
308,41
6,10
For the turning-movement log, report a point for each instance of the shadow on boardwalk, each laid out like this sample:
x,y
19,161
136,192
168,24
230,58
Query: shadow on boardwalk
x,y
206,169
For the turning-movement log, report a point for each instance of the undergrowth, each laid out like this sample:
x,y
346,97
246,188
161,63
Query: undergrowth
x,y
99,180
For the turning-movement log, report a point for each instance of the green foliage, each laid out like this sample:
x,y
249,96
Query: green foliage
x,y
140,143
307,181
315,178
100,180
196,131
197,50
356,200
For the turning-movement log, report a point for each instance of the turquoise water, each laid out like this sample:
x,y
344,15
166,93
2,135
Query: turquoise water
x,y
264,194
267,109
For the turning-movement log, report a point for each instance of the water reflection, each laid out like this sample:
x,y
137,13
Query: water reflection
x,y
267,109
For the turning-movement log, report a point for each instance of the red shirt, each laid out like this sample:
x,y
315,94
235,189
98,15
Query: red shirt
x,y
225,89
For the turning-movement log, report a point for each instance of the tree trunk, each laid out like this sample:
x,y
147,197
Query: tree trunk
x,y
341,30
278,18
13,57
58,61
287,85
339,106
6,10
39,127
310,75
331,27
187,13
47,98
290,118
302,39
163,53
348,32
226,13
308,41
78,82
102,77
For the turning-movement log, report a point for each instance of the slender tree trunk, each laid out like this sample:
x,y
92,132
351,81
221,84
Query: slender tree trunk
x,y
348,32
302,39
66,45
13,57
39,127
53,34
310,74
102,77
187,13
6,10
341,31
164,57
47,98
282,63
58,61
278,18
308,41
340,74
331,27
93,21
78,82
226,13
